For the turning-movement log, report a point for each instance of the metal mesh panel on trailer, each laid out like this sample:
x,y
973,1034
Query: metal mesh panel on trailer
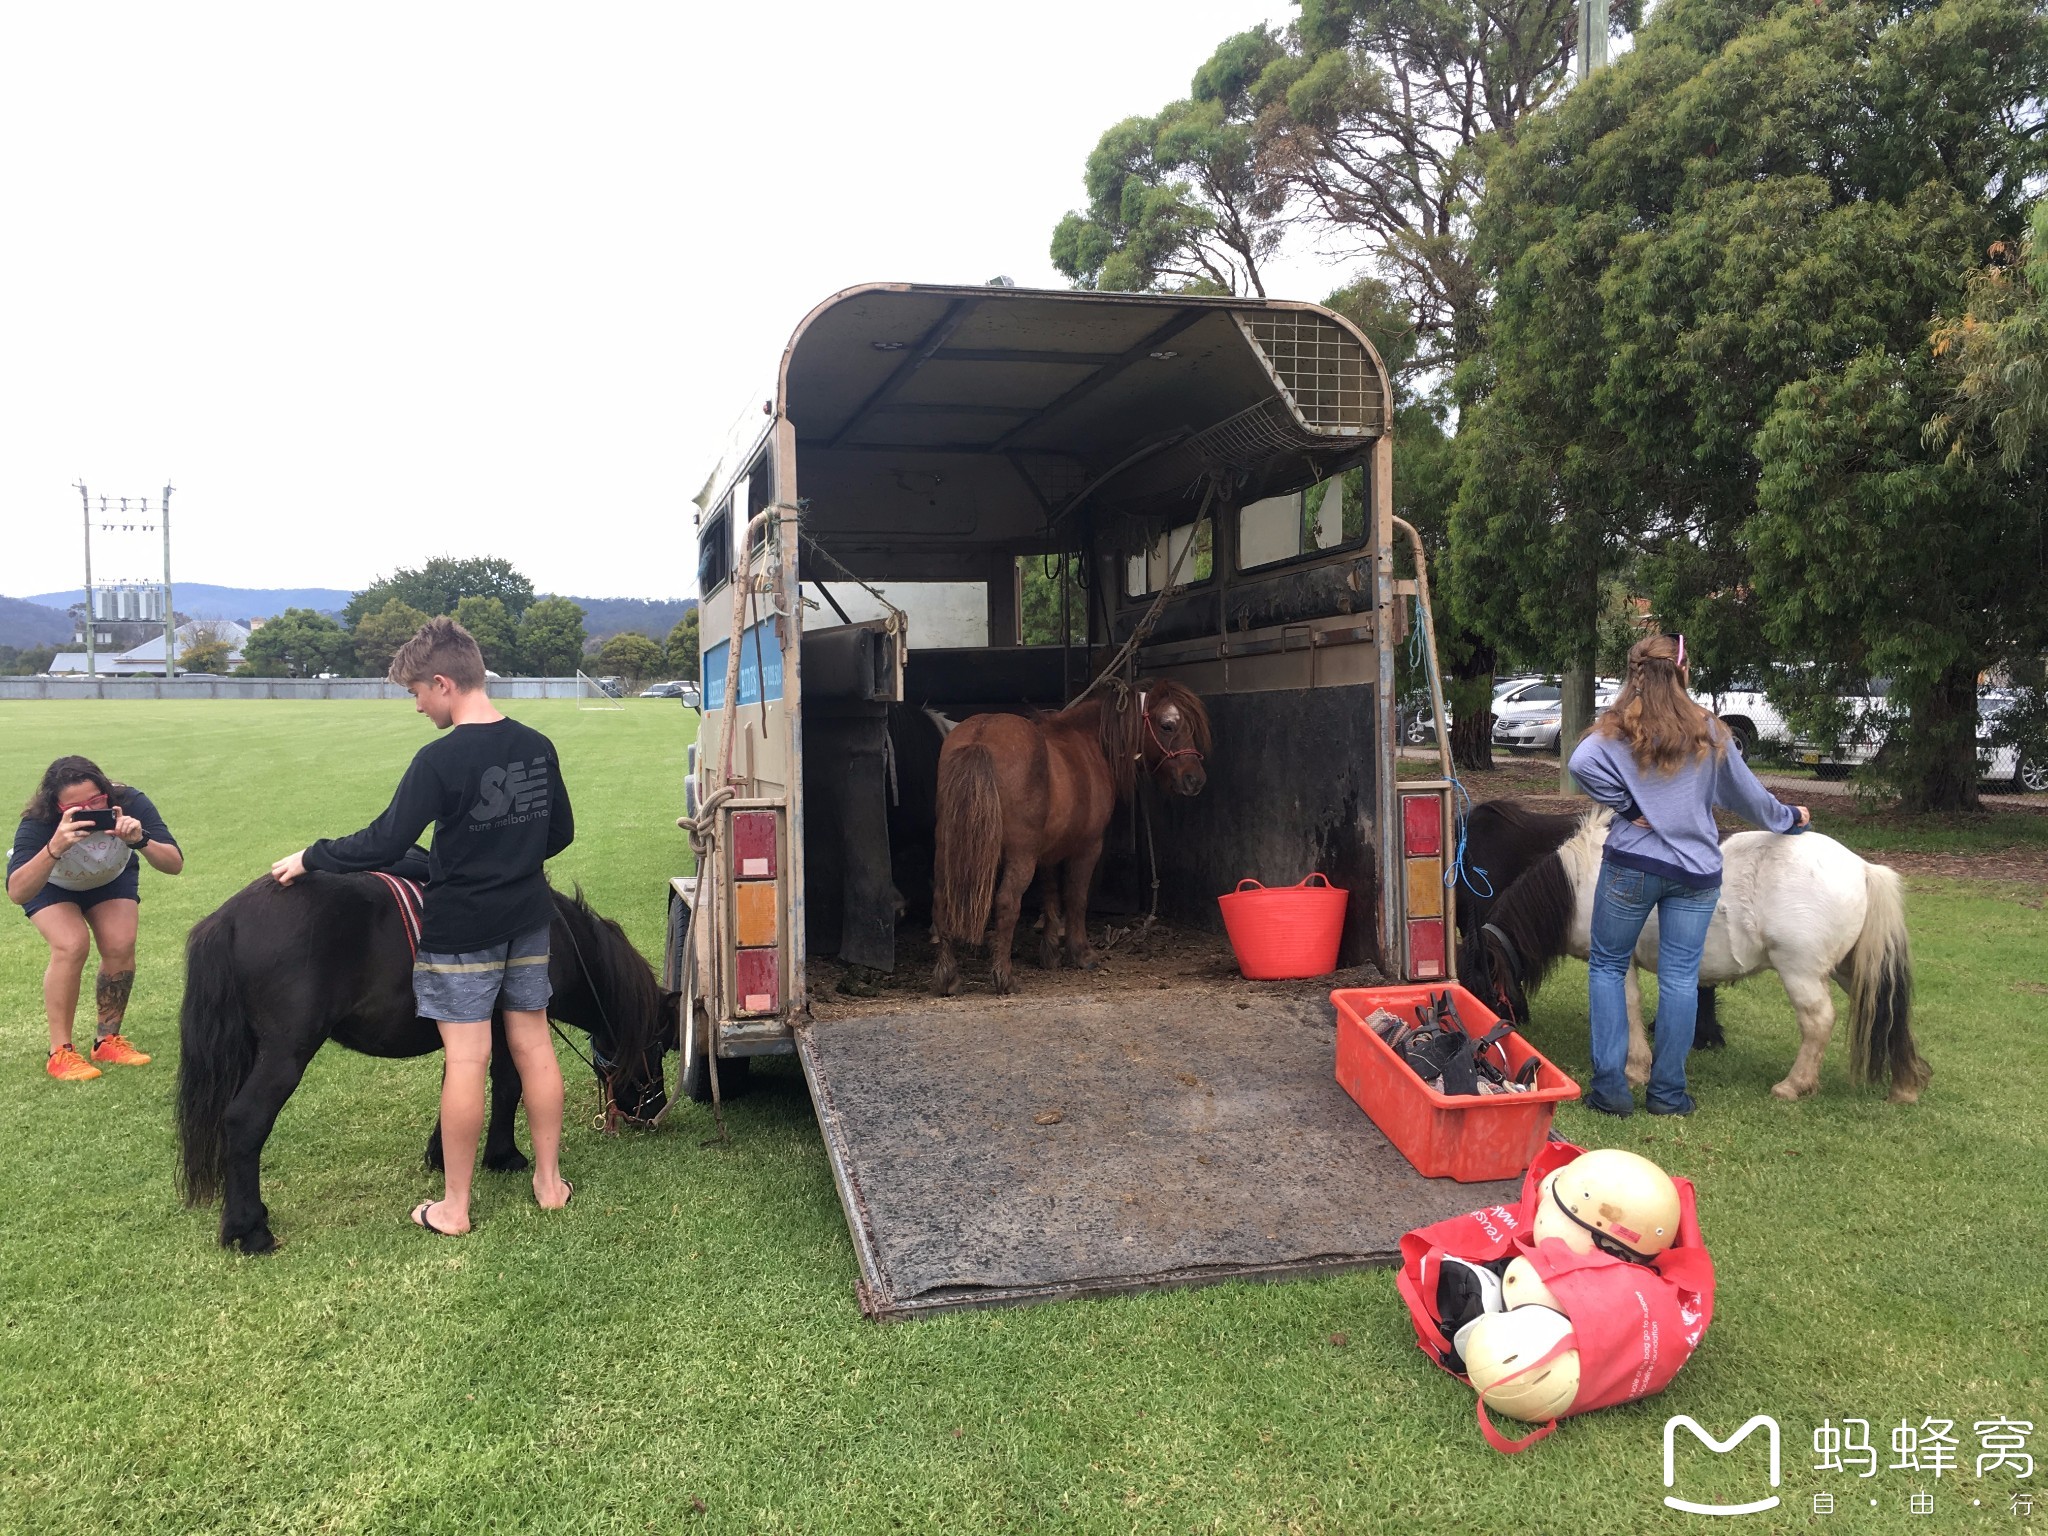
x,y
1326,373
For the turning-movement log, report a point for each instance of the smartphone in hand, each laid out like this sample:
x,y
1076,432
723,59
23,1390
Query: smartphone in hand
x,y
99,821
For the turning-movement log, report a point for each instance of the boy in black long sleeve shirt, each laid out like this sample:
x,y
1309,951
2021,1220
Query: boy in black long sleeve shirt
x,y
492,790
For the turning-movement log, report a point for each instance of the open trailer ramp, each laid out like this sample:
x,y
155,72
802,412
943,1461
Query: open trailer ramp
x,y
1005,1151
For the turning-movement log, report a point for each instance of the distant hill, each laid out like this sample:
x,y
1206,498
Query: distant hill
x,y
28,622
197,600
606,616
602,616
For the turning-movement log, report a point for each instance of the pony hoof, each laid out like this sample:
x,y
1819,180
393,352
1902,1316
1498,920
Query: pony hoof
x,y
1792,1092
511,1160
259,1241
1004,983
1083,960
1904,1096
945,979
1638,1077
1048,958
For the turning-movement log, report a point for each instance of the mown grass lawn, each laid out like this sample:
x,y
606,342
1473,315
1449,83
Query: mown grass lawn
x,y
682,1350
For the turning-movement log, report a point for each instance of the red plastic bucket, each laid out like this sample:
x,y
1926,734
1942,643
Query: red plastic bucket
x,y
1285,933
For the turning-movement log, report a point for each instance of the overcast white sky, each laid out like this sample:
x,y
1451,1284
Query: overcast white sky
x,y
375,282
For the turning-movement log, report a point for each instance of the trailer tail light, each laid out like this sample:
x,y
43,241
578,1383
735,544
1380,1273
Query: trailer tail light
x,y
757,981
754,913
753,866
1422,848
1422,825
1426,949
753,845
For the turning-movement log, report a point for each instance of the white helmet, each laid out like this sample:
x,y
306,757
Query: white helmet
x,y
1501,1356
1623,1197
1521,1286
1553,1220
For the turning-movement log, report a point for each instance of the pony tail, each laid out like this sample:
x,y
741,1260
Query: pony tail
x,y
216,1053
970,845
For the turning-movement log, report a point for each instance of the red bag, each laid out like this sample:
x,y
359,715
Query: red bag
x,y
1634,1325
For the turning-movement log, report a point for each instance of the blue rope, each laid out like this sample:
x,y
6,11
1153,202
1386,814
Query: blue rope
x,y
1457,871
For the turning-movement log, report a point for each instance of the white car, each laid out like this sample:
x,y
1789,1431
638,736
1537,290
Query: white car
x,y
1750,716
2004,763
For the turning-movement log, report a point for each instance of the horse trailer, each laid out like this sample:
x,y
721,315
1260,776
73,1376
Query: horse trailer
x,y
960,500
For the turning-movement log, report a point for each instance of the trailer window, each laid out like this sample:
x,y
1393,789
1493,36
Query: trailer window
x,y
1311,522
757,491
1146,572
714,550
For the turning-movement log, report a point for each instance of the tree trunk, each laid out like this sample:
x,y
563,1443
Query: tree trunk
x,y
1469,693
1575,714
1940,770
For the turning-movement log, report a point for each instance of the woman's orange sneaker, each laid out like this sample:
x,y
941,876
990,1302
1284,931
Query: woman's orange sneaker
x,y
67,1066
116,1051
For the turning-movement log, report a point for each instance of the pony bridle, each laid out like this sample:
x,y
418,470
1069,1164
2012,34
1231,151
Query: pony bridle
x,y
1166,755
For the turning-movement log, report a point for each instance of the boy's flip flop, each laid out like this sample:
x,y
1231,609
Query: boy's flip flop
x,y
420,1220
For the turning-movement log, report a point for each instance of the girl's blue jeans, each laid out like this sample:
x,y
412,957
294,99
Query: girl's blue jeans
x,y
1622,903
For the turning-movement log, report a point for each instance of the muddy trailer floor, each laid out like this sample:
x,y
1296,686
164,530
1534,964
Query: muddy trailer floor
x,y
1104,1133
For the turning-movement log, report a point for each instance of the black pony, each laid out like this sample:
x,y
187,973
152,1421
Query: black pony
x,y
1506,841
273,974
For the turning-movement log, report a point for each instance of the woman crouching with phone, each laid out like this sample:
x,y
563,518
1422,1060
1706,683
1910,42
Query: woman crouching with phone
x,y
76,872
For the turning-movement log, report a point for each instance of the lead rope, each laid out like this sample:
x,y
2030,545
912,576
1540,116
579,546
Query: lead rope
x,y
703,845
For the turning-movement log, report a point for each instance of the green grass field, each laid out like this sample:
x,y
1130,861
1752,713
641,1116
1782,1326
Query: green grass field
x,y
682,1350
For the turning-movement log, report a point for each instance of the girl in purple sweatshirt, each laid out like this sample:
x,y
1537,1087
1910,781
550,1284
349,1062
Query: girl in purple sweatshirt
x,y
1662,764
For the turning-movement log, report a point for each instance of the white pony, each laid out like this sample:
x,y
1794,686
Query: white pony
x,y
1803,906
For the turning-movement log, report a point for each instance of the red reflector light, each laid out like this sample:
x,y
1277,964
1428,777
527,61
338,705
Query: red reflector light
x,y
1422,824
757,981
1426,949
753,845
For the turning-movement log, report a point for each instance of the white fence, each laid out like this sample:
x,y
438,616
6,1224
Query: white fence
x,y
260,688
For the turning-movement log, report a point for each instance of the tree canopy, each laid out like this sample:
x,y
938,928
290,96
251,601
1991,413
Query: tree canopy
x,y
379,635
298,643
632,656
442,583
1709,353
493,629
551,637
683,649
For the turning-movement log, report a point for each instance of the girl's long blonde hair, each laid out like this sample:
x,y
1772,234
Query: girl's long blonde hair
x,y
1662,726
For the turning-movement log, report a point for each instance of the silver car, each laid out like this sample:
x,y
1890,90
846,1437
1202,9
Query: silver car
x,y
1529,718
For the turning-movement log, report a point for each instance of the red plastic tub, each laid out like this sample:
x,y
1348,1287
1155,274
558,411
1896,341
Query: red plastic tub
x,y
1469,1138
1285,933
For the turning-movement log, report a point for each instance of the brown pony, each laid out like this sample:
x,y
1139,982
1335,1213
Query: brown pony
x,y
1019,798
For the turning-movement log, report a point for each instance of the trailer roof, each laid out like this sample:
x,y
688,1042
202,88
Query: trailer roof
x,y
1000,406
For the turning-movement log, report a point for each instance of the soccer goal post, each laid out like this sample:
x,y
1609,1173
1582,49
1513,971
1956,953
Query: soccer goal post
x,y
593,694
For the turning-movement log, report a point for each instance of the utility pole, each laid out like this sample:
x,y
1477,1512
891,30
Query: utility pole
x,y
1575,704
91,662
170,607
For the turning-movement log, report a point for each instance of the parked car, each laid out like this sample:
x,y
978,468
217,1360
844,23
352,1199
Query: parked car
x,y
1530,716
611,687
2003,762
1751,718
1869,710
662,691
1420,728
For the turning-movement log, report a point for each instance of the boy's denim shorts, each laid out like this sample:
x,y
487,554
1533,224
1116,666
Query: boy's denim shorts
x,y
467,988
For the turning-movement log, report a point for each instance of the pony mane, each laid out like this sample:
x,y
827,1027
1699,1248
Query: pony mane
x,y
1120,725
620,980
1536,912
